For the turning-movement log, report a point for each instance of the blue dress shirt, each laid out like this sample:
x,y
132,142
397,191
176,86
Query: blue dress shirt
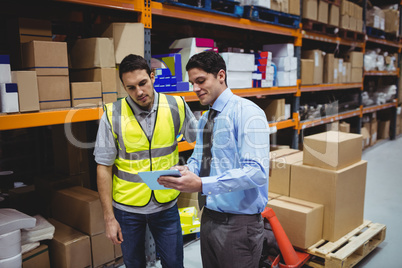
x,y
240,157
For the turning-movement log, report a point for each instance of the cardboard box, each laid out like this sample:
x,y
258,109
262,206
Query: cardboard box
x,y
102,250
310,9
301,220
341,192
358,12
274,109
239,62
344,21
352,24
348,66
54,92
332,150
128,39
94,52
294,7
38,257
280,170
322,15
69,247
318,58
333,16
117,251
359,26
344,10
272,196
329,60
84,94
344,127
351,9
28,92
79,208
365,137
391,21
46,58
383,129
307,76
34,29
356,75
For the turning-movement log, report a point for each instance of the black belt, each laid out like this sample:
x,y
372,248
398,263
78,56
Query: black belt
x,y
230,217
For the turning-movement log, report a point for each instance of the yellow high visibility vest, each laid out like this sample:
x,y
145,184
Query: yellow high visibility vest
x,y
136,153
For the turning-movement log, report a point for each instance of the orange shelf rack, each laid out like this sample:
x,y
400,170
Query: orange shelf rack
x,y
372,109
185,146
324,87
212,18
245,92
381,73
50,117
383,42
330,39
328,119
122,5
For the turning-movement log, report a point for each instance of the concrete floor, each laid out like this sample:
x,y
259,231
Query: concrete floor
x,y
383,204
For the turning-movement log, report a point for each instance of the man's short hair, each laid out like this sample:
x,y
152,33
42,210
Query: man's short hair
x,y
131,63
208,61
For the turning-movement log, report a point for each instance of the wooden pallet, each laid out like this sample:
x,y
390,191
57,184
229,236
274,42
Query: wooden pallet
x,y
350,249
271,16
352,35
319,27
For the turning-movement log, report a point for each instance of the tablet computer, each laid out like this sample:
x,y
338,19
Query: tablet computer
x,y
150,178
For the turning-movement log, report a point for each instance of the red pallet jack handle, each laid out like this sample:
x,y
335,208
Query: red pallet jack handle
x,y
292,258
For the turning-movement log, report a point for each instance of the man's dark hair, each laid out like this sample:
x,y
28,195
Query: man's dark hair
x,y
208,61
131,63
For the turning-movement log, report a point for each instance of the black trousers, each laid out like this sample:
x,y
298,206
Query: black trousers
x,y
231,240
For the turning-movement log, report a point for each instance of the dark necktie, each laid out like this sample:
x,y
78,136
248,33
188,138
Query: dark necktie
x,y
206,153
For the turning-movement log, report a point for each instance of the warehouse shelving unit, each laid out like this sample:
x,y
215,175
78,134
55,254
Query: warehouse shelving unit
x,y
146,9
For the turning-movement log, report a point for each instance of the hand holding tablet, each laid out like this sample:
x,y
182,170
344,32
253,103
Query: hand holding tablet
x,y
150,178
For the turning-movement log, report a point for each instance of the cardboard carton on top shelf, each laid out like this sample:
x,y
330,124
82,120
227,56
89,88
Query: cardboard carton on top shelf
x,y
54,92
352,24
344,7
85,94
274,109
294,7
375,18
307,76
351,9
301,220
38,257
280,170
310,9
333,16
332,149
93,53
102,250
341,192
128,38
359,26
69,247
358,12
317,56
46,58
391,21
322,15
28,92
34,29
80,208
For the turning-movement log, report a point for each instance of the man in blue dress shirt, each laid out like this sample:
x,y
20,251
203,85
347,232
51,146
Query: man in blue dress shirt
x,y
236,189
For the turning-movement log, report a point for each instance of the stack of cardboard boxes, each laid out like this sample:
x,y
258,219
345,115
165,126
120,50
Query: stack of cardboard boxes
x,y
351,16
331,70
79,239
323,187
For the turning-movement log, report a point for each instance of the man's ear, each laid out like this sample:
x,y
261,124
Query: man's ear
x,y
221,76
152,76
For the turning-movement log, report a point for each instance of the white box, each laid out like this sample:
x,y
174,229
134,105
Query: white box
x,y
9,98
293,78
267,83
282,63
288,111
257,76
240,79
5,69
270,70
280,50
283,79
10,244
293,63
238,61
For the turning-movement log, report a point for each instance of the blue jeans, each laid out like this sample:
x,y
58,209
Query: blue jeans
x,y
166,230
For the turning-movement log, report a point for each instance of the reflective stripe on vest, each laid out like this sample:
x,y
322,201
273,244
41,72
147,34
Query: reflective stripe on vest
x,y
135,153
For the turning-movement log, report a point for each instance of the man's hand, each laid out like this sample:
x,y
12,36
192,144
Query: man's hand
x,y
113,231
188,182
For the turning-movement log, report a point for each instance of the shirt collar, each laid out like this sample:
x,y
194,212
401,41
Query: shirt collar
x,y
222,100
136,108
